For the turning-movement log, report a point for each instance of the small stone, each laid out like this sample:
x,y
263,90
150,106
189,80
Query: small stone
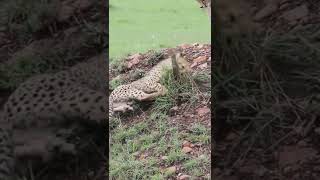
x,y
200,46
194,64
186,143
203,111
184,177
164,157
203,66
200,59
186,149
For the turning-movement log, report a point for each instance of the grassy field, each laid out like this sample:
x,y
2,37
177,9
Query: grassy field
x,y
141,25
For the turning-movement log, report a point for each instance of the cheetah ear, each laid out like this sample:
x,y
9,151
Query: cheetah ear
x,y
175,66
178,55
174,60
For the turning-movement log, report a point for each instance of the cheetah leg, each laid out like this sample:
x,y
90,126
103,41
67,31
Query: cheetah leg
x,y
43,144
160,90
122,107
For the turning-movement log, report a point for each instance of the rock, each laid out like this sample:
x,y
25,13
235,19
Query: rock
x,y
186,149
296,13
184,177
175,108
203,111
203,66
186,144
200,59
194,65
164,157
266,11
200,46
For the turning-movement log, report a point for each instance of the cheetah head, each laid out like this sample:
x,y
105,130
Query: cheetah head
x,y
182,64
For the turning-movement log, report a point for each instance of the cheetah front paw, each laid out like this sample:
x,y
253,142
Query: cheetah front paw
x,y
123,108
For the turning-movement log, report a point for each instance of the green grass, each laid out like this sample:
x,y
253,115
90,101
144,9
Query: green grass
x,y
155,138
141,25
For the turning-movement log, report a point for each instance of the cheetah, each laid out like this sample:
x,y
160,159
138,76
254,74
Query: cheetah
x,y
146,88
42,104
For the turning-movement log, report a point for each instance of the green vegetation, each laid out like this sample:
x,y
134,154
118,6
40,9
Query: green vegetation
x,y
137,26
137,150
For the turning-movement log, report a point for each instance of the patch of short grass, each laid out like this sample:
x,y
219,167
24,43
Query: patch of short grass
x,y
183,90
155,138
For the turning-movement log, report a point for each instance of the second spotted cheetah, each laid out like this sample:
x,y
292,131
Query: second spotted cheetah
x,y
146,88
